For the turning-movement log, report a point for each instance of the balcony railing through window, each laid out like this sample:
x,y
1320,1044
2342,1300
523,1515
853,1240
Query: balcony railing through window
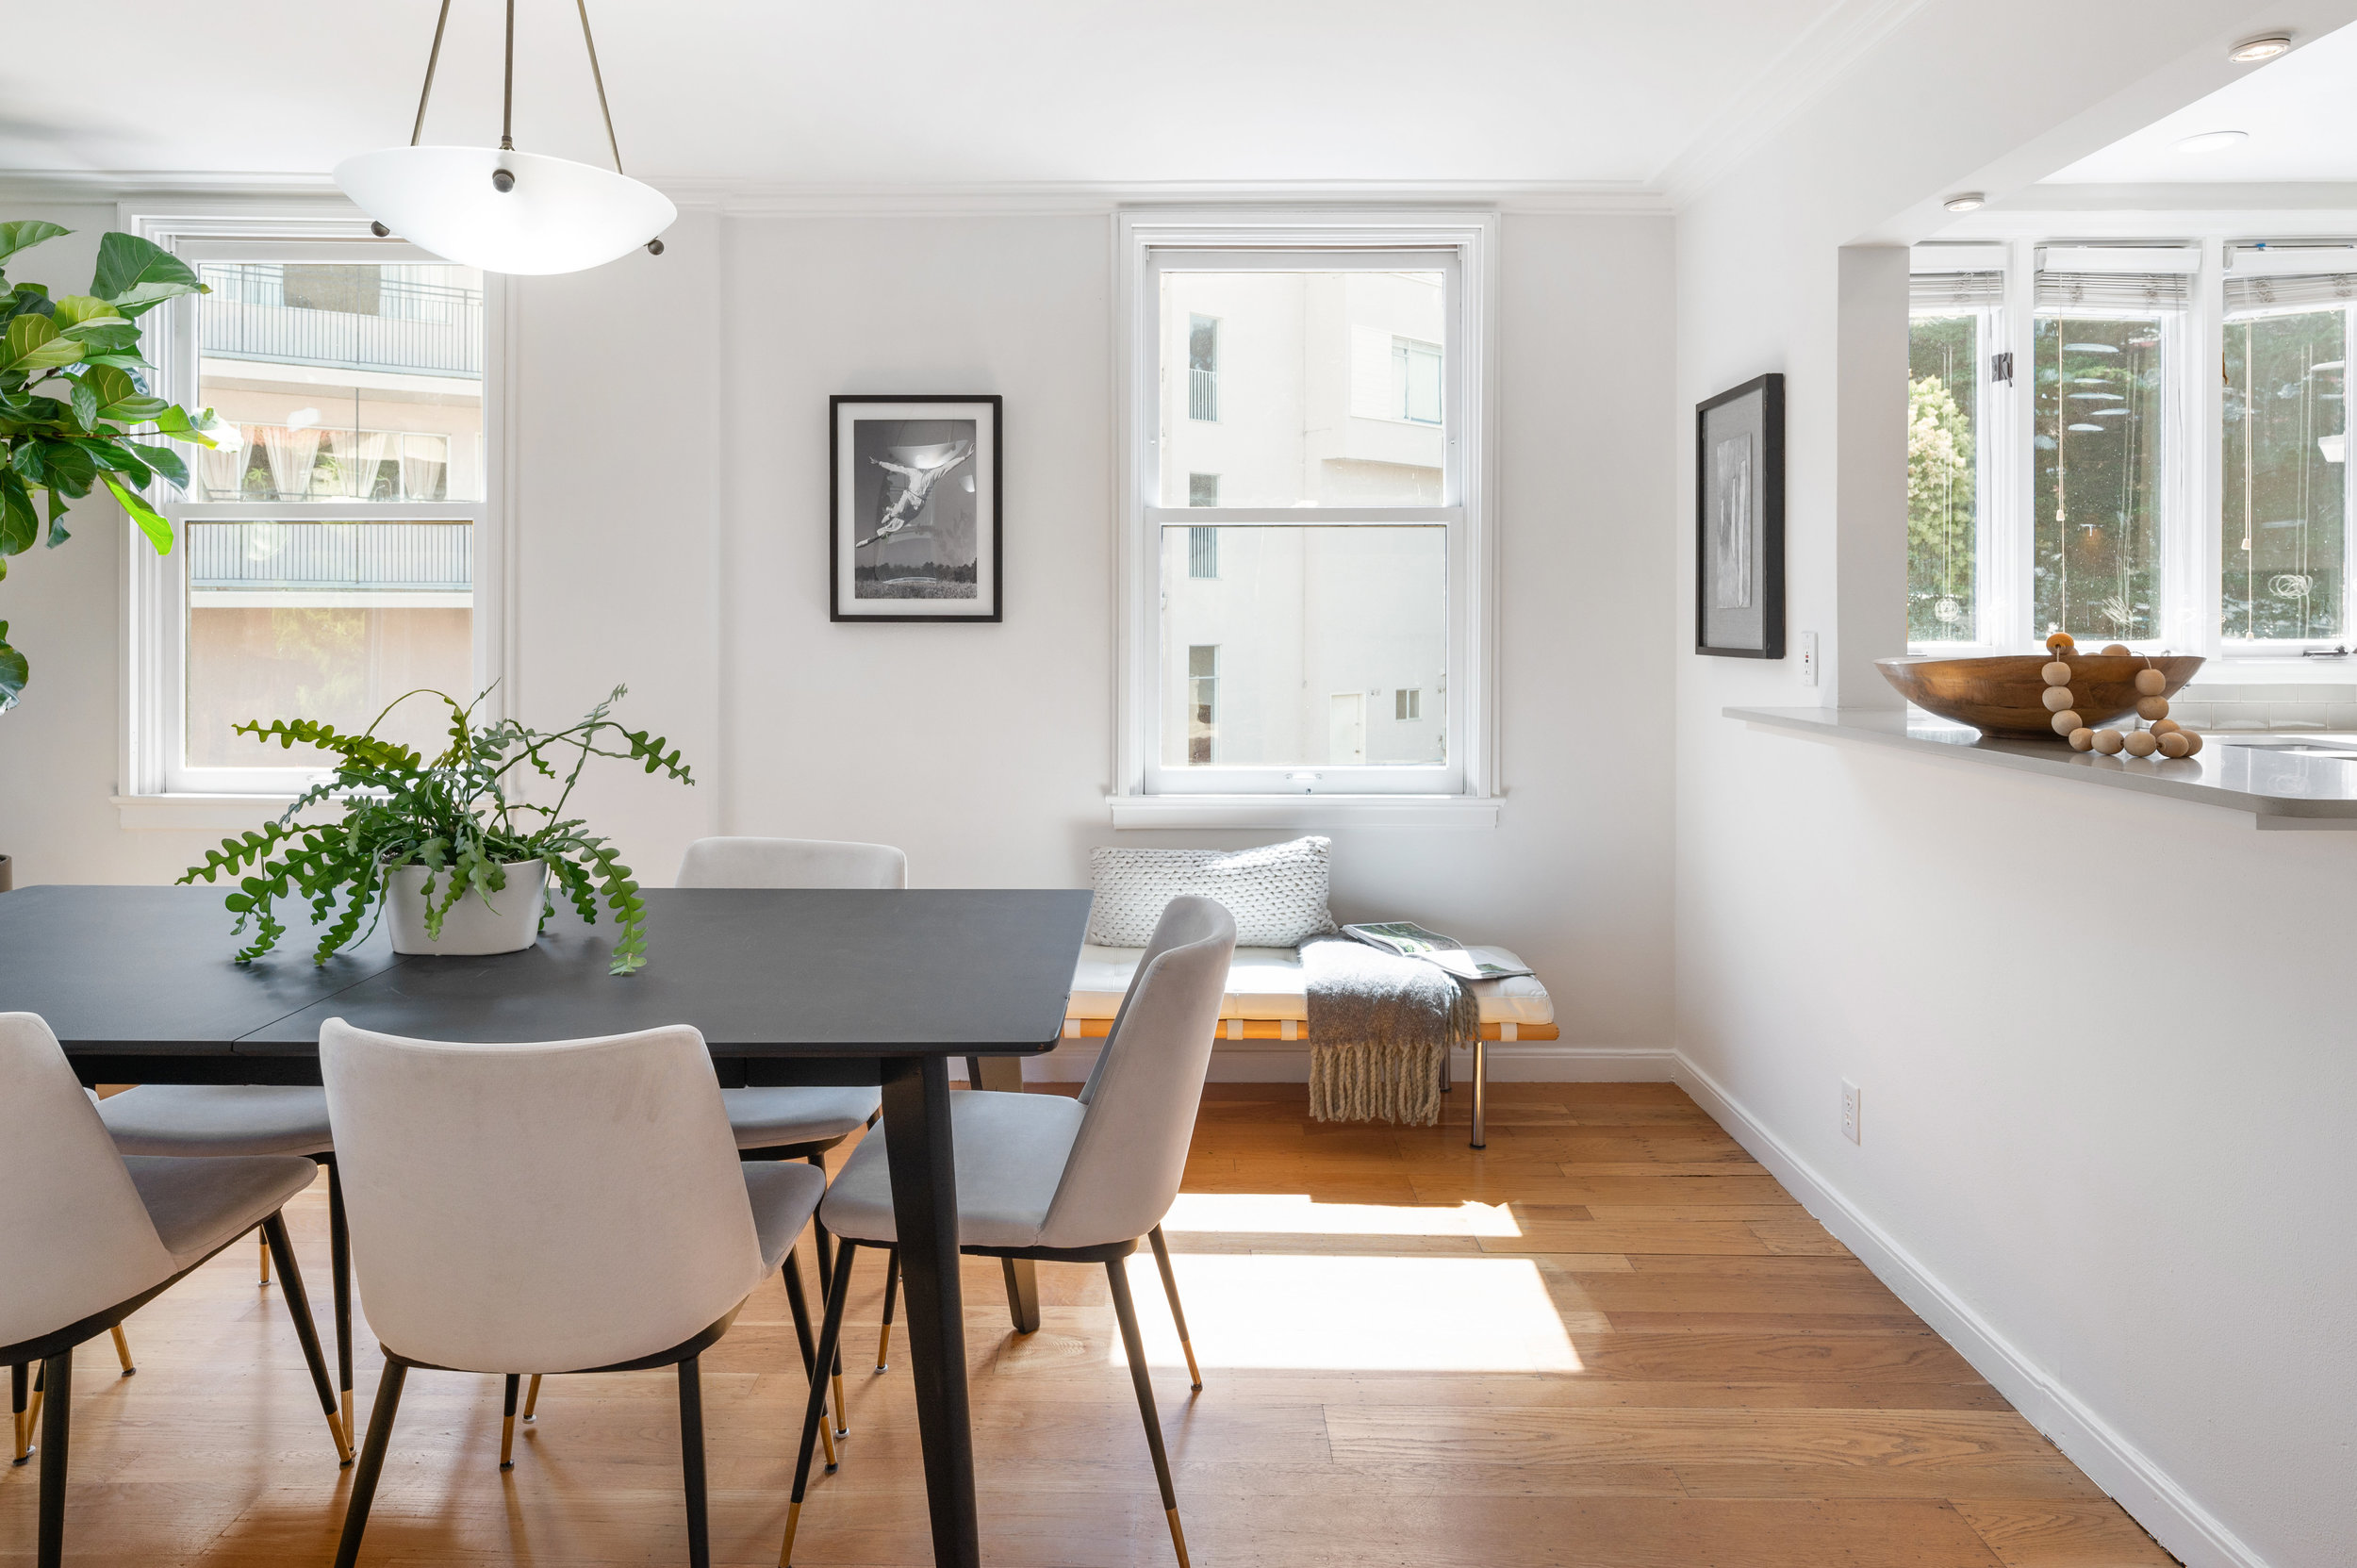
x,y
415,557
257,311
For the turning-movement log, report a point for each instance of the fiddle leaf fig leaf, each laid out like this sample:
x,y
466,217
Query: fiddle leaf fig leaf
x,y
163,460
26,233
14,671
135,275
85,404
152,523
33,343
75,309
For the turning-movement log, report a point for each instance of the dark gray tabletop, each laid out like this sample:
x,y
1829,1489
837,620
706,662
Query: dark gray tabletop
x,y
762,973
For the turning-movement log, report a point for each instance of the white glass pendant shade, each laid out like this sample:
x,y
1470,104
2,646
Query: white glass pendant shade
x,y
558,217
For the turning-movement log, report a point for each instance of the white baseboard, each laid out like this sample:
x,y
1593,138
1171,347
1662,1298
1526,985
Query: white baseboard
x,y
1278,1062
2189,1531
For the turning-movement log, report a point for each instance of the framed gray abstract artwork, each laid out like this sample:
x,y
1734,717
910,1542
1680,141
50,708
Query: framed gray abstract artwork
x,y
1739,522
914,531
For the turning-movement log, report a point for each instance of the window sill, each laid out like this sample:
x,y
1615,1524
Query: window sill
x,y
1303,811
198,813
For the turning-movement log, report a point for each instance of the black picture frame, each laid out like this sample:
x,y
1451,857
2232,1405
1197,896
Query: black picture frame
x,y
879,503
1739,572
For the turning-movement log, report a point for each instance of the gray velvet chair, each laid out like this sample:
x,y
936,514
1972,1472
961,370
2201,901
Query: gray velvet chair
x,y
575,1206
89,1235
1053,1180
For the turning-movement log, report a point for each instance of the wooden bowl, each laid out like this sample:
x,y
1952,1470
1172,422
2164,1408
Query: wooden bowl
x,y
2004,695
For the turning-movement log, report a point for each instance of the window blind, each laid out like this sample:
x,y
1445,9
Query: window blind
x,y
2290,291
1976,290
2058,290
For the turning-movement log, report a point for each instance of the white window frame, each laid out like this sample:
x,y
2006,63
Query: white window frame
x,y
1998,588
157,789
1462,790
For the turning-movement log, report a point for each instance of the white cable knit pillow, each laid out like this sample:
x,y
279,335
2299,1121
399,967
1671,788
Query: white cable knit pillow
x,y
1276,892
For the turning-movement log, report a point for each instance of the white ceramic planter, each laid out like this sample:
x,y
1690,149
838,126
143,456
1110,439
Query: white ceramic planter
x,y
509,923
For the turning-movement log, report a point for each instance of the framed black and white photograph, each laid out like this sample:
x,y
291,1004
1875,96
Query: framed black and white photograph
x,y
1739,522
914,530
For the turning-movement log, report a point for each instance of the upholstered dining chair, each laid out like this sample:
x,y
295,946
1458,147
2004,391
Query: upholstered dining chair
x,y
800,1122
110,1232
209,1120
572,1207
1054,1180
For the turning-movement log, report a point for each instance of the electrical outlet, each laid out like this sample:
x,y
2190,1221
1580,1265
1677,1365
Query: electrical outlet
x,y
1849,1111
1809,658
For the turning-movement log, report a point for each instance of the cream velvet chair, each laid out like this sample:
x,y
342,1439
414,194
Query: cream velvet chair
x,y
1054,1180
575,1205
88,1236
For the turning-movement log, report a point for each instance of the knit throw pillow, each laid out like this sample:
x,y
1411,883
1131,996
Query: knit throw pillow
x,y
1276,894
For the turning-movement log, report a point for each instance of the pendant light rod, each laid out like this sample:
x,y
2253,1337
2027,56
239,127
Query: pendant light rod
x,y
507,92
598,76
425,94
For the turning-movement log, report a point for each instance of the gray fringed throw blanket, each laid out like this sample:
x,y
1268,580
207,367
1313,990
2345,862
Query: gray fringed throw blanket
x,y
1379,1030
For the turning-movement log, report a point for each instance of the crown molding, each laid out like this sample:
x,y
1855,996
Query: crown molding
x,y
116,185
1779,91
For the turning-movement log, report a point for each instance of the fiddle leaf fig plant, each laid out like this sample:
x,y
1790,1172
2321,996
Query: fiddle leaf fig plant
x,y
456,816
76,411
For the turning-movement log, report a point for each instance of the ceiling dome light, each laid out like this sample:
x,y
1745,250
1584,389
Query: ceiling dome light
x,y
500,209
1969,201
2251,51
2213,141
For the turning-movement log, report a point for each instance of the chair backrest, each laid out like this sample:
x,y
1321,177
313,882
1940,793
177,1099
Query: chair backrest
x,y
538,1208
1125,1164
1166,936
75,1238
791,863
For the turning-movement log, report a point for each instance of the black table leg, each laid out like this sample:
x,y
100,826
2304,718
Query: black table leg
x,y
925,1211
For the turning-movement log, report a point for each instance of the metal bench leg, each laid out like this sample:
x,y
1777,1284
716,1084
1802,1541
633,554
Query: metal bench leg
x,y
1481,1092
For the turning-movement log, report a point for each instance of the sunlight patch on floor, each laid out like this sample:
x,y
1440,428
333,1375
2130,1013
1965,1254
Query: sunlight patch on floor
x,y
1299,1213
1366,1313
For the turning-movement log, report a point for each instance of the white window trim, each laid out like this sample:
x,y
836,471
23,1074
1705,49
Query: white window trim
x,y
154,792
1140,797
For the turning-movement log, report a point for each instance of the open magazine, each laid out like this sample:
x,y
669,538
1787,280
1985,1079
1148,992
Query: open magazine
x,y
1411,940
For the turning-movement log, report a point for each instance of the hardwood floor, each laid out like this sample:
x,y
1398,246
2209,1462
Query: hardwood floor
x,y
1610,1339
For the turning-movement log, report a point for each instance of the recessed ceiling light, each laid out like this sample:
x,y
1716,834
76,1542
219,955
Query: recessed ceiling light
x,y
2213,141
2251,51
1971,201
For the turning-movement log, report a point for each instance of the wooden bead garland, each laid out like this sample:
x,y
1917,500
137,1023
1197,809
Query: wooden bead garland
x,y
2165,736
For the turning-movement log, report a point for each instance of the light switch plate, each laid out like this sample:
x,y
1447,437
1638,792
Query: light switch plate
x,y
1809,658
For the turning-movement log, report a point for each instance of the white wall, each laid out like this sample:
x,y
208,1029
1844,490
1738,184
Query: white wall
x,y
2107,1062
670,531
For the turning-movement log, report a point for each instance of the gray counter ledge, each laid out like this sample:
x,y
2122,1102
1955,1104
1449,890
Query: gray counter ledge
x,y
2282,789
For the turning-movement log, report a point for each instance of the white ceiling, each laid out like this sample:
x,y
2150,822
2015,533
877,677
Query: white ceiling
x,y
950,93
2300,109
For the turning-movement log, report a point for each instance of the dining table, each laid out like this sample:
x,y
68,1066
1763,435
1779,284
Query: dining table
x,y
820,987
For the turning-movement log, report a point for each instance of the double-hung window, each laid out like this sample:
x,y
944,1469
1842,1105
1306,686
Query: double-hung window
x,y
1337,560
1954,325
328,544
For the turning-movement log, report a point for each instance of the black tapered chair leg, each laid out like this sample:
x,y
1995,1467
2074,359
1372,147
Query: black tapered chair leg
x,y
56,1410
372,1460
815,1411
299,1308
800,1305
20,1386
973,1072
1126,1310
891,1289
826,1272
691,1456
513,1381
339,1266
1178,1313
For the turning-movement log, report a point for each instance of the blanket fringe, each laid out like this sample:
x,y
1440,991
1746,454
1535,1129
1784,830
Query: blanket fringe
x,y
1394,1082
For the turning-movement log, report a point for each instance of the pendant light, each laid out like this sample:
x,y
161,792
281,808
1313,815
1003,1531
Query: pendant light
x,y
500,209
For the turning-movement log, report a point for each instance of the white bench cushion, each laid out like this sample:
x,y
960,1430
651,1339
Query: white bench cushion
x,y
1266,984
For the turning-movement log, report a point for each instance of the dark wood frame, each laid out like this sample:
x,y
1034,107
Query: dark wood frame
x,y
1770,388
998,506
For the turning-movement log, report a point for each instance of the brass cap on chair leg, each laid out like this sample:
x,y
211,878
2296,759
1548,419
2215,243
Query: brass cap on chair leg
x,y
508,1443
348,1427
884,1349
842,1416
1194,1373
826,1437
793,1517
532,1396
343,1444
1178,1536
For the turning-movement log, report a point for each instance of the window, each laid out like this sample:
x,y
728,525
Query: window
x,y
2284,525
1202,368
1948,333
329,543
1318,545
1202,705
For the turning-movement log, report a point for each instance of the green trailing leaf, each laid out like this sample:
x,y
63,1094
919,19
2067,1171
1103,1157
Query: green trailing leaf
x,y
135,275
112,335
14,671
73,311
85,404
454,816
162,459
26,233
19,527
